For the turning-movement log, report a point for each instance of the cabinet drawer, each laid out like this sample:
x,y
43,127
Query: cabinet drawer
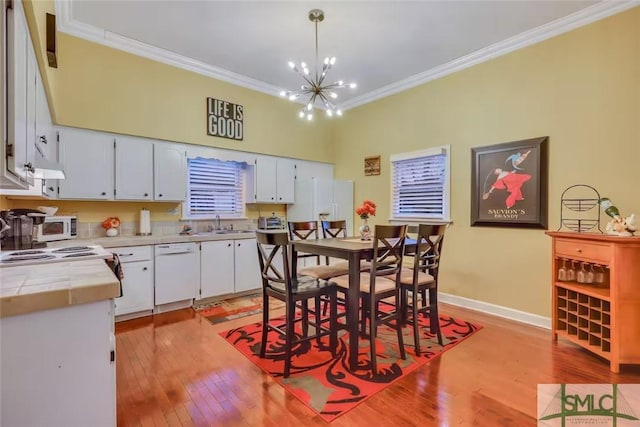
x,y
590,251
133,253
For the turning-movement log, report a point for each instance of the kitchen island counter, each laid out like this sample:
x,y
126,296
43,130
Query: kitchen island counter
x,y
32,288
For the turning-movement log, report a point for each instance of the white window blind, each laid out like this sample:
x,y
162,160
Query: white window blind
x,y
420,185
215,188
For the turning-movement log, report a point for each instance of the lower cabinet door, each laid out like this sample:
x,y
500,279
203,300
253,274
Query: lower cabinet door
x,y
216,268
247,266
137,288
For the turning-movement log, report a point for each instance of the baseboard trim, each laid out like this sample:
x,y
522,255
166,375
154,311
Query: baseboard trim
x,y
496,310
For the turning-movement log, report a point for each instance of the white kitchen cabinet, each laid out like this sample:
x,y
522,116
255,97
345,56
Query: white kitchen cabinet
x,y
274,180
217,274
58,367
228,266
88,159
18,153
133,168
138,281
247,266
169,172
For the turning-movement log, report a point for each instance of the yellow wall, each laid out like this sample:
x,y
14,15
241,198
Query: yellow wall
x,y
96,87
96,211
582,89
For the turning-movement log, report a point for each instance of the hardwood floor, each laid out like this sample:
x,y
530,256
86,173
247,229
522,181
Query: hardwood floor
x,y
175,370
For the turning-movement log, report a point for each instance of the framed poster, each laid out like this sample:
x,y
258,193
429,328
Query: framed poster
x,y
509,184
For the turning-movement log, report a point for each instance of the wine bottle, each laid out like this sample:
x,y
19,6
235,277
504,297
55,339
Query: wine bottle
x,y
609,208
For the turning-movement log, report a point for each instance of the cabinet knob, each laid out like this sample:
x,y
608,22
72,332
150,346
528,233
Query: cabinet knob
x,y
579,250
43,139
29,167
50,188
229,245
146,194
159,195
238,244
272,198
145,269
103,194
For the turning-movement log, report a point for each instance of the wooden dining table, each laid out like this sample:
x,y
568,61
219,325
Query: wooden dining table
x,y
354,250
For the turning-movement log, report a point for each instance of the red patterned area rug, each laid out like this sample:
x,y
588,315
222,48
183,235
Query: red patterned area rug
x,y
324,383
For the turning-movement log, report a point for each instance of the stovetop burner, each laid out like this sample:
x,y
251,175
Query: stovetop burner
x,y
79,254
27,257
21,253
72,249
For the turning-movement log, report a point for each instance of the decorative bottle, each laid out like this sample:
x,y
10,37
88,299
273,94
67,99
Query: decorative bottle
x,y
609,208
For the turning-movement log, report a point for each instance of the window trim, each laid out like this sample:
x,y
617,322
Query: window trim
x,y
433,151
240,215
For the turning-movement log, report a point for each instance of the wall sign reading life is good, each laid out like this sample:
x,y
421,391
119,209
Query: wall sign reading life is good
x,y
224,119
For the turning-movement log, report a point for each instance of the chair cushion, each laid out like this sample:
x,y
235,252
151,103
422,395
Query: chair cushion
x,y
302,285
325,271
406,277
382,284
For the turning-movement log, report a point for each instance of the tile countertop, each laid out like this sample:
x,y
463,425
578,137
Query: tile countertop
x,y
120,241
31,288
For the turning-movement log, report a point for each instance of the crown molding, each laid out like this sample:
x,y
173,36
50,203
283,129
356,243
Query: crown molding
x,y
66,24
578,19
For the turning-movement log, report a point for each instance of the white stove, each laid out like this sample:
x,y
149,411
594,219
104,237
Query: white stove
x,y
49,255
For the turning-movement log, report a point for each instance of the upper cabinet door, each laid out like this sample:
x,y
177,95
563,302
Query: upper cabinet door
x,y
134,168
169,172
45,138
18,79
286,180
265,180
88,164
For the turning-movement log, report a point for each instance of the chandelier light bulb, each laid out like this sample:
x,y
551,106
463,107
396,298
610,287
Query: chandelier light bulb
x,y
352,85
314,87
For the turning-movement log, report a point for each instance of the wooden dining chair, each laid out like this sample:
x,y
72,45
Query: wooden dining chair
x,y
295,293
423,277
382,281
309,230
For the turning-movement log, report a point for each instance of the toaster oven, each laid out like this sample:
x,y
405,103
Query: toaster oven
x,y
271,223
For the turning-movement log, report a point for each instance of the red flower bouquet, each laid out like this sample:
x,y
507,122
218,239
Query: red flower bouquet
x,y
366,209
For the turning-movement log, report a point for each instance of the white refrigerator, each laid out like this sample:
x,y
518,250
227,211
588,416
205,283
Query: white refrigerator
x,y
318,198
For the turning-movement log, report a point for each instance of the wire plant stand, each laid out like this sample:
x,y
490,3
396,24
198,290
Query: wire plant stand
x,y
576,208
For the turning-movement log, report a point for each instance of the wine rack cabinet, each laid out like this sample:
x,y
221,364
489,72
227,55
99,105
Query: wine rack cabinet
x,y
601,317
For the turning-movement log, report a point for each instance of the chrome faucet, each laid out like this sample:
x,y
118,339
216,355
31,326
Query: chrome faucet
x,y
218,222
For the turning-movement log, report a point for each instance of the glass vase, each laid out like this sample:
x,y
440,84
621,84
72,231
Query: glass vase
x,y
365,230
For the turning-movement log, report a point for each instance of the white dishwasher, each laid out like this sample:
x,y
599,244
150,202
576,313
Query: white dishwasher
x,y
177,268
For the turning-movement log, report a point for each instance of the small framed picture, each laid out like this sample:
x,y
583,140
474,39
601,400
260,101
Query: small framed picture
x,y
372,165
509,184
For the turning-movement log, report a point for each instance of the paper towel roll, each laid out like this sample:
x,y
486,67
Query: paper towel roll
x,y
145,222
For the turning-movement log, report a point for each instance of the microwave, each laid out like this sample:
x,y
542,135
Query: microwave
x,y
56,228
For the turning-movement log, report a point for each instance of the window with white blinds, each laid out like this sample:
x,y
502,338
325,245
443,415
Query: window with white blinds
x,y
215,187
420,185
